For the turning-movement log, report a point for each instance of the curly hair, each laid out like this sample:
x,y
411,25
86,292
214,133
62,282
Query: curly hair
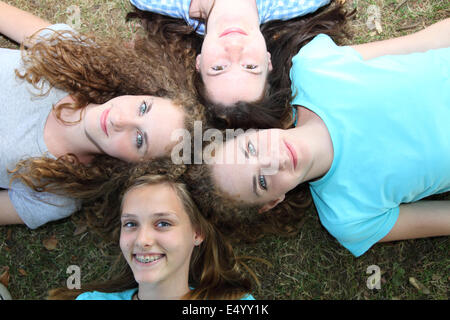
x,y
241,221
215,272
94,70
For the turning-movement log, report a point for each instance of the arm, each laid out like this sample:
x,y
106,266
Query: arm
x,y
8,214
433,37
420,220
17,24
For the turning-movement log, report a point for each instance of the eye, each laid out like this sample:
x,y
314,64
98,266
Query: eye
x,y
163,224
262,182
143,108
250,66
251,148
217,68
129,224
139,140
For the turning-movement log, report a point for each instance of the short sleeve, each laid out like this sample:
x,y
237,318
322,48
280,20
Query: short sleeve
x,y
360,229
38,208
270,10
172,8
55,27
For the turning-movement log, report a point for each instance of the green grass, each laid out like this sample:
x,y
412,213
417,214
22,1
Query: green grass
x,y
311,265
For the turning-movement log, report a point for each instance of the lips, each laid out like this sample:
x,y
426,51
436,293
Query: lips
x,y
147,259
103,118
292,154
232,30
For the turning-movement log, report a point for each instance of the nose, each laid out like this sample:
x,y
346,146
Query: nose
x,y
120,122
234,48
145,238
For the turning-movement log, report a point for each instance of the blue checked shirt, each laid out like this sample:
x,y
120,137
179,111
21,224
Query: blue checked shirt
x,y
268,9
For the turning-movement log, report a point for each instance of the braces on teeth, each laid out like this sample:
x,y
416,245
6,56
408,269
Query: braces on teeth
x,y
147,259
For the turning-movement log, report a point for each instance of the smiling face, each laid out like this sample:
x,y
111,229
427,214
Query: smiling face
x,y
260,167
232,56
133,128
157,237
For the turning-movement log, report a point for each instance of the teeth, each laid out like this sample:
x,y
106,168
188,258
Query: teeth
x,y
147,259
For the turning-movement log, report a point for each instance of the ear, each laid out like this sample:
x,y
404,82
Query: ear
x,y
198,238
197,62
270,61
271,204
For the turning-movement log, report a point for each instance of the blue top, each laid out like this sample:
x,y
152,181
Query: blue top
x,y
388,119
268,10
124,295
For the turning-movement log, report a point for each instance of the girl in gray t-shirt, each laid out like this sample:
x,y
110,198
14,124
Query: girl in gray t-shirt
x,y
76,108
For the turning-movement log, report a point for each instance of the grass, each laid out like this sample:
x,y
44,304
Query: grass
x,y
311,265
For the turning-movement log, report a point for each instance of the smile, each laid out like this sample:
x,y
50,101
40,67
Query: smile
x,y
148,258
292,154
232,30
103,118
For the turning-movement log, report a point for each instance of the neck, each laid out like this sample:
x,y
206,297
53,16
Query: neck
x,y
161,291
314,136
61,138
241,13
202,8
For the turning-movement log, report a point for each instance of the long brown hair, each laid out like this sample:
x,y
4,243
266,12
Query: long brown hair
x,y
215,272
283,39
240,221
94,70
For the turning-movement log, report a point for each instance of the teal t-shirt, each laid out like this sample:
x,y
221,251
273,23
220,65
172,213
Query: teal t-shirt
x,y
389,121
124,295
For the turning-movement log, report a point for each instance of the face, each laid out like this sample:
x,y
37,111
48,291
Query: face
x,y
133,128
157,237
230,57
260,167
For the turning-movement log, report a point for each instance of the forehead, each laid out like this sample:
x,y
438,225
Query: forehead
x,y
162,122
232,172
153,198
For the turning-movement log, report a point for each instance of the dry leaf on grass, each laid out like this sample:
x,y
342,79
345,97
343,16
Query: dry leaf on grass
x,y
51,243
22,272
419,286
4,276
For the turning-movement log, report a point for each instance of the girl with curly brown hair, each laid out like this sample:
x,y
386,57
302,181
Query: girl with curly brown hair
x,y
168,249
71,94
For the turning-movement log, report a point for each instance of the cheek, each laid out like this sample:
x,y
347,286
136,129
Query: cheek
x,y
125,243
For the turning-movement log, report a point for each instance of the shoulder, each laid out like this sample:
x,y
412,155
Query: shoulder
x,y
247,296
96,295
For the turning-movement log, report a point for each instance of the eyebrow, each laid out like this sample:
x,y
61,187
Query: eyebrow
x,y
149,107
255,188
214,74
156,215
146,143
243,149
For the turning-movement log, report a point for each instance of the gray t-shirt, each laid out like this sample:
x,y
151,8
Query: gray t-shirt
x,y
22,121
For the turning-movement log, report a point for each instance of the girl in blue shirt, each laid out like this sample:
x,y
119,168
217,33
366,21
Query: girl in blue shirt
x,y
169,251
372,139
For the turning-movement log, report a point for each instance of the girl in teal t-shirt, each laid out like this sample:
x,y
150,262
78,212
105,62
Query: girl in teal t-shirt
x,y
372,138
169,250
